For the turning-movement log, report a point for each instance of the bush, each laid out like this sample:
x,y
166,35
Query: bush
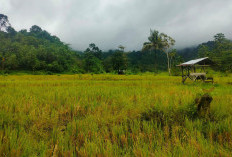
x,y
77,70
176,72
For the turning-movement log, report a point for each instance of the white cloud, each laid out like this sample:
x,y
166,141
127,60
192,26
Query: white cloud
x,y
109,23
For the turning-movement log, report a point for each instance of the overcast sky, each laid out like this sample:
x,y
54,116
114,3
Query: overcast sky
x,y
109,23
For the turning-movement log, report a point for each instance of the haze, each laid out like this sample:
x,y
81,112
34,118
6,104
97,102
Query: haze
x,y
109,23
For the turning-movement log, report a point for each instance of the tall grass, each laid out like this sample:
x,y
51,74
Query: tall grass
x,y
111,115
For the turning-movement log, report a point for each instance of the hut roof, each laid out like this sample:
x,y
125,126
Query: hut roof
x,y
200,61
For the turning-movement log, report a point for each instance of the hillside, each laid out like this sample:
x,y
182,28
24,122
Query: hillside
x,y
38,51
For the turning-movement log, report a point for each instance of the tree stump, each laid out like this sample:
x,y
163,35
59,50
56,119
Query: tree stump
x,y
203,105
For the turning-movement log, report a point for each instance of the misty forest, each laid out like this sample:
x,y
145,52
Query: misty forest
x,y
59,101
37,51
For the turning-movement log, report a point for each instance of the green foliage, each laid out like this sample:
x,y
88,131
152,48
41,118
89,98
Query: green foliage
x,y
94,50
146,61
35,50
161,42
92,59
92,64
203,51
4,22
119,61
220,52
38,50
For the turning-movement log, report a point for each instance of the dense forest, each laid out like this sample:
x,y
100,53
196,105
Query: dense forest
x,y
38,51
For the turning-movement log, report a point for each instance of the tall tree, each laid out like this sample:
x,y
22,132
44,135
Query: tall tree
x,y
203,51
92,59
4,22
92,64
162,42
11,31
219,50
119,61
153,44
93,49
121,48
35,29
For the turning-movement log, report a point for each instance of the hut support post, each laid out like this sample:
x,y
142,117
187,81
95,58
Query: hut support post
x,y
184,74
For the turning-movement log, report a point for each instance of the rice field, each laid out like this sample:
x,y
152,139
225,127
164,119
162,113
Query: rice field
x,y
111,115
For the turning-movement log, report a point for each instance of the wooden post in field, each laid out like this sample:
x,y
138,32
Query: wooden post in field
x,y
182,69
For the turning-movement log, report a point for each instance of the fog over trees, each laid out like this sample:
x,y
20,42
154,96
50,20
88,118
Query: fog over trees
x,y
37,50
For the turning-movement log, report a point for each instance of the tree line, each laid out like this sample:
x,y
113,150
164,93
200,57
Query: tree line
x,y
37,50
219,50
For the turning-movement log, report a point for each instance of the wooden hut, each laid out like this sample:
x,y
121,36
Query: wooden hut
x,y
189,70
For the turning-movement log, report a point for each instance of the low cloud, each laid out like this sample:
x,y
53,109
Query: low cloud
x,y
109,23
